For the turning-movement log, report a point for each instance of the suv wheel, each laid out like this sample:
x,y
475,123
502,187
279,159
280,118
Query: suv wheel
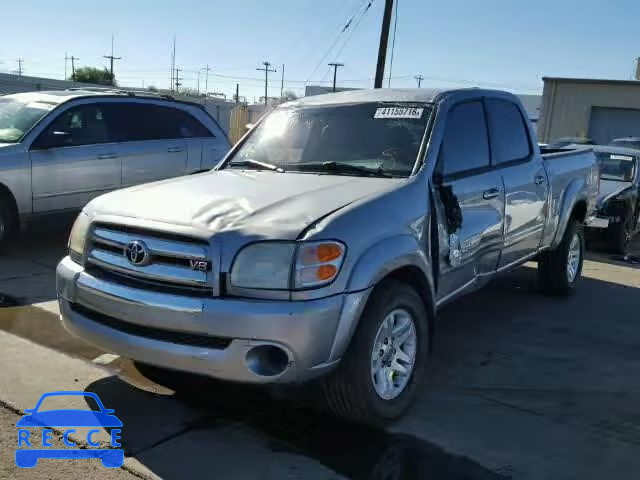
x,y
379,374
6,224
560,269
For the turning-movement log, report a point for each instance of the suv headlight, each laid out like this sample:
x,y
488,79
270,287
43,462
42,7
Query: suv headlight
x,y
287,265
78,236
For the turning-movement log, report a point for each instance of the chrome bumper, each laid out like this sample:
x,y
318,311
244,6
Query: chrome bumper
x,y
314,334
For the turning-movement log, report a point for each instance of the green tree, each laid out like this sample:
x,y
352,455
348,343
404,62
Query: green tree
x,y
93,75
152,88
289,95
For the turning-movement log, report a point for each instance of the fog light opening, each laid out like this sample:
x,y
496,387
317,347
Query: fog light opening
x,y
267,360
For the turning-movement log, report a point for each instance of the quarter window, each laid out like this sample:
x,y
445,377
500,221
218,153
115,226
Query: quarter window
x,y
465,145
509,137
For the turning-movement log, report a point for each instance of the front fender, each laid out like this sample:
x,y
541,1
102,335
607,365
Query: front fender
x,y
575,192
374,264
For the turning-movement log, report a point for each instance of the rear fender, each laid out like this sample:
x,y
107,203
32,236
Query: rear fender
x,y
575,192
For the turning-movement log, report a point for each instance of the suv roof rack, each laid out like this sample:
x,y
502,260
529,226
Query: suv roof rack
x,y
120,91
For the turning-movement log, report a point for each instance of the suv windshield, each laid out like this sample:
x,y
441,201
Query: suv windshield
x,y
626,143
378,139
616,167
18,117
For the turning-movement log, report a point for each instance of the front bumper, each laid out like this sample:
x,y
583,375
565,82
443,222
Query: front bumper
x,y
313,334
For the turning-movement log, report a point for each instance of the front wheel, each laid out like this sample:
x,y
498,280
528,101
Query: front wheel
x,y
559,270
380,372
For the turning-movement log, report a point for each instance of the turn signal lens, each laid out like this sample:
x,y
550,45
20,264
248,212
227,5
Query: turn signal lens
x,y
320,253
318,263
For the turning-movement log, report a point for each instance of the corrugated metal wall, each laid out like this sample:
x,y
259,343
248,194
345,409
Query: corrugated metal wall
x,y
566,104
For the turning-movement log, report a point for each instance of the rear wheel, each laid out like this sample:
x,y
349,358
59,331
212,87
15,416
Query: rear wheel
x,y
379,374
620,233
560,269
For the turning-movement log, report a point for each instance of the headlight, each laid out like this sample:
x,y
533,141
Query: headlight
x,y
78,236
263,265
269,265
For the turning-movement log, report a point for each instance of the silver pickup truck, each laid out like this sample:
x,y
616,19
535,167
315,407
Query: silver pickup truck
x,y
325,242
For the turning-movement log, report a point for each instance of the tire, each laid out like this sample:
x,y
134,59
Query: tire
x,y
350,392
553,274
7,223
620,233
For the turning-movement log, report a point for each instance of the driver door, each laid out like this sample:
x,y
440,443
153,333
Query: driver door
x,y
73,161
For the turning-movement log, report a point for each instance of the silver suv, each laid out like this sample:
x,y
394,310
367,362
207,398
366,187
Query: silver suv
x,y
60,149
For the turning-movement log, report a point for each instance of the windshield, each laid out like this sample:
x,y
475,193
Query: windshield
x,y
18,117
619,168
626,143
363,139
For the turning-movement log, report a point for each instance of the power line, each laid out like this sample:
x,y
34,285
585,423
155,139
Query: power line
x,y
355,28
344,29
266,71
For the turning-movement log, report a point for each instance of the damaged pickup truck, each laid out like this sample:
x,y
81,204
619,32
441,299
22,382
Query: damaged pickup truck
x,y
325,242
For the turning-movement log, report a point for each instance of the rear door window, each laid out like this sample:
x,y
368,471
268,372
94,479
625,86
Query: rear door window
x,y
465,146
509,137
133,122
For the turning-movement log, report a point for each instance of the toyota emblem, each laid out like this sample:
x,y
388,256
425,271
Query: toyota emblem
x,y
137,253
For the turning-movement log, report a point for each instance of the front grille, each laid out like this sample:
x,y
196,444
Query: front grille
x,y
174,262
171,336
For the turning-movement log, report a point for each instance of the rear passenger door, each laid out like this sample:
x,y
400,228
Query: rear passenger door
x,y
524,179
469,199
151,145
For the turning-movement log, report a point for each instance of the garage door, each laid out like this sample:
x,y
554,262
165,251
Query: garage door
x,y
606,124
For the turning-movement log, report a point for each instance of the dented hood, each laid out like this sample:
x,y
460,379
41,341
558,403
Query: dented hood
x,y
252,202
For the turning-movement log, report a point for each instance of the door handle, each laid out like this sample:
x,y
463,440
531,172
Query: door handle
x,y
539,180
491,193
105,156
175,149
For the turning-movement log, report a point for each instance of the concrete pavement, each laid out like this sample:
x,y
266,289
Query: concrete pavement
x,y
521,385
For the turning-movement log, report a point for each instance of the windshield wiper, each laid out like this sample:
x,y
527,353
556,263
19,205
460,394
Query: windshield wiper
x,y
251,161
346,167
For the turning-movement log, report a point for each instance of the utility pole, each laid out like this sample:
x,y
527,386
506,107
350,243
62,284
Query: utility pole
x,y
266,71
73,65
177,79
237,93
384,39
335,72
638,68
282,84
111,59
20,62
206,81
419,79
173,62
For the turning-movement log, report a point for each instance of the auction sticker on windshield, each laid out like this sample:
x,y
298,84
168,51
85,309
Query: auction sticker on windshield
x,y
398,112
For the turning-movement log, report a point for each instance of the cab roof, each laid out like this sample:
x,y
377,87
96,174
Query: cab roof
x,y
400,95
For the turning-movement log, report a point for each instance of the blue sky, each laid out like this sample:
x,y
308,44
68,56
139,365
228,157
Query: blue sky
x,y
507,44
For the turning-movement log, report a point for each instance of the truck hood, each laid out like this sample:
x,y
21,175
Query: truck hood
x,y
609,189
255,203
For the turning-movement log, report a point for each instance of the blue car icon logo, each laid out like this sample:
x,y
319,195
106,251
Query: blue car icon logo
x,y
65,418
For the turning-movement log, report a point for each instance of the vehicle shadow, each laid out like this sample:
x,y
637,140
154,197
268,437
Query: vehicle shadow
x,y
507,348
